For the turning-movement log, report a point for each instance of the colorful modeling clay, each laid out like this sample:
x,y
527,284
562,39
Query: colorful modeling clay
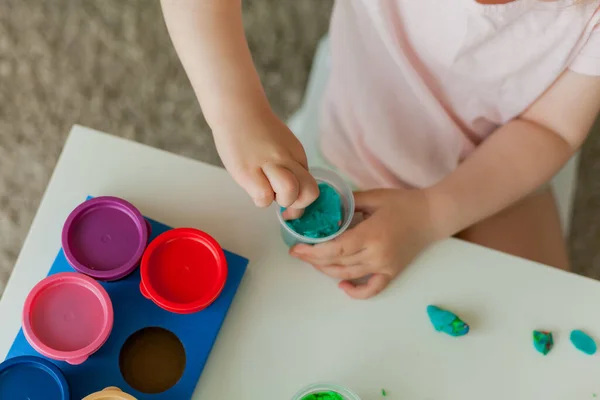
x,y
447,322
323,217
583,342
324,396
543,341
383,392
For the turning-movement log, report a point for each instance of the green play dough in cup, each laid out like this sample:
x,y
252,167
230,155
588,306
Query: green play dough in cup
x,y
323,217
335,189
324,396
325,391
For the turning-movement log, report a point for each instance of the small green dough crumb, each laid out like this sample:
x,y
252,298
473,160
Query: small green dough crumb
x,y
323,217
543,341
383,392
324,396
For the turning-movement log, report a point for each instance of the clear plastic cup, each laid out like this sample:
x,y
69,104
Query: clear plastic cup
x,y
329,177
347,394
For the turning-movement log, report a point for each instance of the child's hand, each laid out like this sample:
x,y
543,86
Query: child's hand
x,y
396,229
268,161
258,150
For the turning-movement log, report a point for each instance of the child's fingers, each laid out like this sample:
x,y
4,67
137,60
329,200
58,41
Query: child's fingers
x,y
374,286
308,188
284,184
344,272
366,202
351,260
292,213
307,194
334,251
258,187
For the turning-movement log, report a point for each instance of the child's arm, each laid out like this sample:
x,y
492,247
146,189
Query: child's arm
x,y
260,152
519,157
209,38
513,162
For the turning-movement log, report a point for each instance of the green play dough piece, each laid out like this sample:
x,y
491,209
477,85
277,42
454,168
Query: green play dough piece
x,y
543,341
324,396
323,217
446,321
583,342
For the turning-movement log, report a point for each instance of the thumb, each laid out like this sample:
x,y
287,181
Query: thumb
x,y
292,213
256,184
374,285
366,201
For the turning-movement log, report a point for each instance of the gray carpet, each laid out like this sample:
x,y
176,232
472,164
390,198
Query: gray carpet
x,y
109,65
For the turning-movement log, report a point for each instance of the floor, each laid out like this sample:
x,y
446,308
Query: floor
x,y
110,65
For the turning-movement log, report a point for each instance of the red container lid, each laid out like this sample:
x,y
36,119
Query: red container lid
x,y
183,270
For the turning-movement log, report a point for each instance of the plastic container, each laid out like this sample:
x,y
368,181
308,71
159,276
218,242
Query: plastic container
x,y
183,270
344,190
105,238
347,394
32,378
110,393
67,317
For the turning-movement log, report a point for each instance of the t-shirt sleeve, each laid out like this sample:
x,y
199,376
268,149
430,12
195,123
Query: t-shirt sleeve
x,y
587,62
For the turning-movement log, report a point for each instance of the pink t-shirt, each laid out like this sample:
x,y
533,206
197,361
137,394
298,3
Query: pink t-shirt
x,y
417,85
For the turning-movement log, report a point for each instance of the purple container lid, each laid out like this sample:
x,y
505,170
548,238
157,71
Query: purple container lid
x,y
105,238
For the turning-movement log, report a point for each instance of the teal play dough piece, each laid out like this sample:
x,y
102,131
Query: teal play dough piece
x,y
323,217
446,321
583,342
543,341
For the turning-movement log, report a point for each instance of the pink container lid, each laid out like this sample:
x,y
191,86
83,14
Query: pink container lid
x,y
105,238
67,317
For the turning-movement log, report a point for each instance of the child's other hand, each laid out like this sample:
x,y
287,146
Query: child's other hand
x,y
268,161
396,229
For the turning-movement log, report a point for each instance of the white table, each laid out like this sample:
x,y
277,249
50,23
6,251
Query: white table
x,y
290,326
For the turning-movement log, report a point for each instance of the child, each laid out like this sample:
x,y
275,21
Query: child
x,y
450,115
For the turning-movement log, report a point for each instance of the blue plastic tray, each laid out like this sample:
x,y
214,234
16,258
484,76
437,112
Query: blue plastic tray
x,y
133,312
